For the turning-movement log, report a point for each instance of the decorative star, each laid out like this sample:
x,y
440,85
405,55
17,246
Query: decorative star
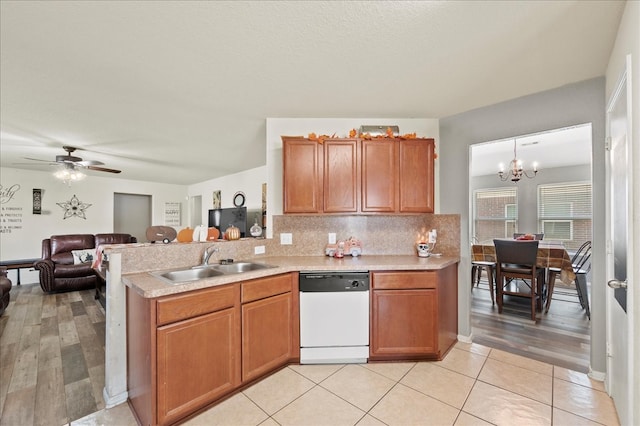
x,y
74,207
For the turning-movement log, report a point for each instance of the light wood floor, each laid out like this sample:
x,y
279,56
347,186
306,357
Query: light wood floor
x,y
51,357
561,337
52,348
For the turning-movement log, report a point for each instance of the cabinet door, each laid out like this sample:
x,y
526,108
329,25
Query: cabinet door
x,y
198,361
379,175
302,176
416,171
404,323
341,170
267,340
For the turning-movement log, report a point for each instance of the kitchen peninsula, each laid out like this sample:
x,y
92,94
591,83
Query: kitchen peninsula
x,y
235,329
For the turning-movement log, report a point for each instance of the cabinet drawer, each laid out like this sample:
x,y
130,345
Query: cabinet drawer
x,y
266,287
400,280
176,308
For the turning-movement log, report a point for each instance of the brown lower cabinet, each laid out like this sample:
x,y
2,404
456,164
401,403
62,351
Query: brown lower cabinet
x,y
270,326
414,314
186,351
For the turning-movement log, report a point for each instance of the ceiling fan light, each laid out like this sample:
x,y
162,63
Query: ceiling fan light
x,y
77,175
69,174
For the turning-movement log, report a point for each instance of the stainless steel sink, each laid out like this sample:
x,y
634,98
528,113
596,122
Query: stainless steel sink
x,y
209,271
240,267
185,275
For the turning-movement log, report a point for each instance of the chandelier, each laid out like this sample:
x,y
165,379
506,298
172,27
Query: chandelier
x,y
516,170
69,173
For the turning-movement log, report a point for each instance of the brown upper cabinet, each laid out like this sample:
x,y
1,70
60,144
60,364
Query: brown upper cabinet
x,y
382,175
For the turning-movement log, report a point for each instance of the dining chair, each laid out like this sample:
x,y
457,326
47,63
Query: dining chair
x,y
477,266
581,263
538,237
516,272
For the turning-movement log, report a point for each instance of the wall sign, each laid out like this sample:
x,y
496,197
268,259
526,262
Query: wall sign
x,y
37,201
74,207
10,216
172,214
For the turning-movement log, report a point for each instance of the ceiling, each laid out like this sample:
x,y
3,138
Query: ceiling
x,y
570,146
178,92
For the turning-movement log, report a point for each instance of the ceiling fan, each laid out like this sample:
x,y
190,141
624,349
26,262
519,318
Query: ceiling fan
x,y
72,162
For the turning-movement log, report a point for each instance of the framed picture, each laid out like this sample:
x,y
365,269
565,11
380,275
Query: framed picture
x,y
172,214
217,196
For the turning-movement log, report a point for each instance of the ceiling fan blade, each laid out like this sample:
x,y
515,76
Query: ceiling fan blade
x,y
35,164
37,159
103,169
88,163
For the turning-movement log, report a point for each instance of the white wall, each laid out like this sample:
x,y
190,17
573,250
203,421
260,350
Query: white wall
x,y
249,181
26,241
277,127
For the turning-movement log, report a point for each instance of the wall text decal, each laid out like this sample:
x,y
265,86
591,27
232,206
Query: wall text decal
x,y
10,216
7,194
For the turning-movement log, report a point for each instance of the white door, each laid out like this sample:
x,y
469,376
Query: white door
x,y
621,240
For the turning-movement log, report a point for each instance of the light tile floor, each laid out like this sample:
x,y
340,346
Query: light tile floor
x,y
474,385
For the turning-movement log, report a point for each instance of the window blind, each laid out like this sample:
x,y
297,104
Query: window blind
x,y
565,212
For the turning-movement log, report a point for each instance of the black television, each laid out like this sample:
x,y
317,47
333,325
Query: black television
x,y
222,218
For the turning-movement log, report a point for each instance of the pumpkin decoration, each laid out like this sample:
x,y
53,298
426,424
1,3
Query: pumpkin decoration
x,y
186,235
213,234
232,233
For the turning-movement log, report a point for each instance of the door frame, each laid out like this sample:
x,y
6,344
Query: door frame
x,y
628,408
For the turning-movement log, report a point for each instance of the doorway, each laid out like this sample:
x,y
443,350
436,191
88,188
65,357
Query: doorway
x,y
195,211
555,201
132,214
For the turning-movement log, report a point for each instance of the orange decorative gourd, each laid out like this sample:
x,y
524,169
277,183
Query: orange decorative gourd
x,y
213,234
185,235
232,233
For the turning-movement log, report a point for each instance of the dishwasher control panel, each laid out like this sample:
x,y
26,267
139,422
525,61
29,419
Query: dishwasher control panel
x,y
325,281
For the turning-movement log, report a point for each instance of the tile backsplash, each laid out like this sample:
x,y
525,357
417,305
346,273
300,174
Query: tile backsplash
x,y
379,234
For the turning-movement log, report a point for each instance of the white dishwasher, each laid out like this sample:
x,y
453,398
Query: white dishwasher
x,y
334,317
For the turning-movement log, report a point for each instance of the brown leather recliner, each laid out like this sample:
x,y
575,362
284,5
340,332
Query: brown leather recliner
x,y
58,272
5,288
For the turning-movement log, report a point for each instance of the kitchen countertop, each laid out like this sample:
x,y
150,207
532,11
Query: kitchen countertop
x,y
149,286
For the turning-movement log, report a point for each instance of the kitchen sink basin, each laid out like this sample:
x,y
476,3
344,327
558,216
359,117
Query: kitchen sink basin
x,y
240,267
185,275
209,271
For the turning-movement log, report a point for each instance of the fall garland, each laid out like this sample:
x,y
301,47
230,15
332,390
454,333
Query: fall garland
x,y
353,133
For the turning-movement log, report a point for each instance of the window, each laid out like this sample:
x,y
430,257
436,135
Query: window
x,y
558,229
495,213
564,213
510,210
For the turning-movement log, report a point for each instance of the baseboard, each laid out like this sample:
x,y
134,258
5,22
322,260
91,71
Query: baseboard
x,y
465,339
597,375
112,401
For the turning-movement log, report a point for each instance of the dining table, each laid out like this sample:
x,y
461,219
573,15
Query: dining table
x,y
551,254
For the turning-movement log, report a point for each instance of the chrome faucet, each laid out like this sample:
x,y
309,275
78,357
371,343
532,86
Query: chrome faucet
x,y
207,254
